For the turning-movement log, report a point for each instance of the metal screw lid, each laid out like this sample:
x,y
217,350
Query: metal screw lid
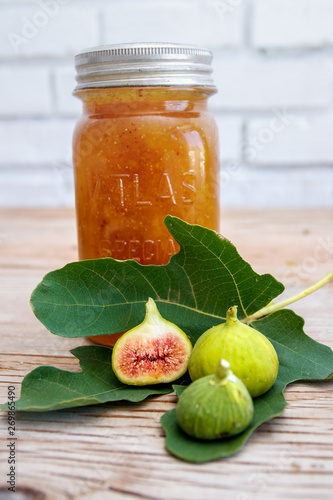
x,y
144,64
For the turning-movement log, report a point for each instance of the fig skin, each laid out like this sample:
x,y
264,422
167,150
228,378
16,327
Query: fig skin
x,y
215,406
154,352
251,355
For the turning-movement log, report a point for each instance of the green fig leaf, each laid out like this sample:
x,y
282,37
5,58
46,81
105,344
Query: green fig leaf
x,y
49,388
194,291
300,357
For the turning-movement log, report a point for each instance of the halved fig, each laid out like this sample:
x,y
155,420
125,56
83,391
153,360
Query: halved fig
x,y
154,352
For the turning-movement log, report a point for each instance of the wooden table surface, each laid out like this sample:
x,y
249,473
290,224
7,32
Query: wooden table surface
x,y
116,451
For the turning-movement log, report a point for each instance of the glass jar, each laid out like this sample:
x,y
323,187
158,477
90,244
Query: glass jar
x,y
145,146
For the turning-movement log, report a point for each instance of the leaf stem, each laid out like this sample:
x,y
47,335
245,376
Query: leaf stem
x,y
265,311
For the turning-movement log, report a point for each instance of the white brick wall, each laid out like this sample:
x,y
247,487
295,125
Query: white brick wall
x,y
292,139
276,187
35,142
230,136
25,91
185,21
36,186
292,23
273,66
34,32
64,83
254,82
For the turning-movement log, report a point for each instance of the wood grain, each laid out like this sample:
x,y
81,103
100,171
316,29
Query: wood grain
x,y
116,451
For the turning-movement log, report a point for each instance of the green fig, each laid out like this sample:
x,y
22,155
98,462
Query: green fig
x,y
154,352
251,355
215,406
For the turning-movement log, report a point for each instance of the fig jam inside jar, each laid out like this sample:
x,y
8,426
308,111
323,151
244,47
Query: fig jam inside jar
x,y
145,146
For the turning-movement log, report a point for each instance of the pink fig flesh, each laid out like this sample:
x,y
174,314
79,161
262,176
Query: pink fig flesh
x,y
156,351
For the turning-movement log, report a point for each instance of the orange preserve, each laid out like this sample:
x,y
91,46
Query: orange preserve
x,y
145,146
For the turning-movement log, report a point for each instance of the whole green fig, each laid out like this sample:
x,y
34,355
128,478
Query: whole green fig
x,y
251,355
215,406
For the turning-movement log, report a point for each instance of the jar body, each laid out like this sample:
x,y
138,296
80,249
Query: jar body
x,y
139,154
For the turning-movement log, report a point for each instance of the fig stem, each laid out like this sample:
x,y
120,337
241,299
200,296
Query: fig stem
x,y
222,369
265,311
232,314
152,313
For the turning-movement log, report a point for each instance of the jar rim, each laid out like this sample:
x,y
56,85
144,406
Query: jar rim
x,y
144,64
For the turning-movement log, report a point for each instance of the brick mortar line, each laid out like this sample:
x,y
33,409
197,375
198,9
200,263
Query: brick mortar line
x,y
248,16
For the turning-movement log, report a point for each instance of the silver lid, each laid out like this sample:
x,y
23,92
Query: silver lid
x,y
144,64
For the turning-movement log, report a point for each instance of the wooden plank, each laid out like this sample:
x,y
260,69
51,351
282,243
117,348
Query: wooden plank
x,y
116,451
